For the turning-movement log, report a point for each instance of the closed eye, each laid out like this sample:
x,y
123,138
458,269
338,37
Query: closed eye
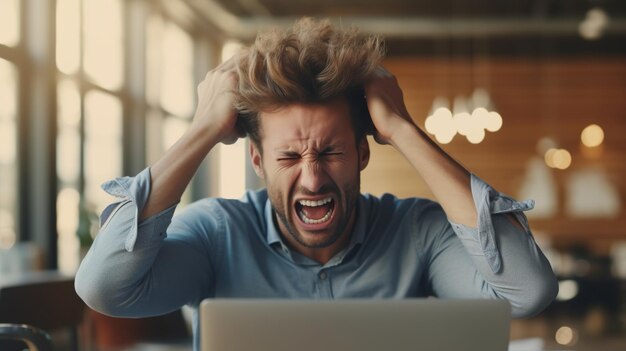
x,y
330,152
289,156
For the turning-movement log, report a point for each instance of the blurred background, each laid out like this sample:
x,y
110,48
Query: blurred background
x,y
528,94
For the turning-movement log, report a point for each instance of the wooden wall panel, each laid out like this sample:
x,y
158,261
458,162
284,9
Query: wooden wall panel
x,y
536,98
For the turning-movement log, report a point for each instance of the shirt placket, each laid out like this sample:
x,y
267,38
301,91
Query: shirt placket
x,y
322,282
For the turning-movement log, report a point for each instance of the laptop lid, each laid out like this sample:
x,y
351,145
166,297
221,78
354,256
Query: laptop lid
x,y
363,325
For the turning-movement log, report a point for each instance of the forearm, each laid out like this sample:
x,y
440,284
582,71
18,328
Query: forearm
x,y
171,174
214,121
446,178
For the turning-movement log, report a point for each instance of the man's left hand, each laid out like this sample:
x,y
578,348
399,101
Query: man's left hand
x,y
386,106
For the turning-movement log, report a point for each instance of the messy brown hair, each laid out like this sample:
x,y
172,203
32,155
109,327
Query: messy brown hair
x,y
311,62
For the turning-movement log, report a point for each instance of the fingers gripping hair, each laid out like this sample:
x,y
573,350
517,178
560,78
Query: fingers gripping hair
x,y
311,62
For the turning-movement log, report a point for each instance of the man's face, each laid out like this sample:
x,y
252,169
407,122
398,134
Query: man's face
x,y
311,164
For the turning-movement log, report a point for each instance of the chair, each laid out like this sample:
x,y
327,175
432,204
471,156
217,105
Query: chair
x,y
110,333
36,339
45,300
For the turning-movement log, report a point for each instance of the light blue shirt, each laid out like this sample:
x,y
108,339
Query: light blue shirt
x,y
399,248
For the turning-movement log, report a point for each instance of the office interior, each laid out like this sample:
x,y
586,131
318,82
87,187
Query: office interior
x,y
527,94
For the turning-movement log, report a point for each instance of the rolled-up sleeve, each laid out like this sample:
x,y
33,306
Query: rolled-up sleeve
x,y
135,269
134,192
507,263
489,202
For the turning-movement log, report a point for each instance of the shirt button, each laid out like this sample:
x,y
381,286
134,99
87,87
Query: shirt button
x,y
323,275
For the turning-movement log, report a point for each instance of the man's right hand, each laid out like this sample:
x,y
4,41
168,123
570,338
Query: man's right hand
x,y
216,114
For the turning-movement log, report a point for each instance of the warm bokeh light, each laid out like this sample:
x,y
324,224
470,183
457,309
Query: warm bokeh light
x,y
68,36
558,158
441,125
492,121
444,125
568,289
103,44
9,22
592,135
594,24
549,157
476,133
477,136
565,336
562,159
463,123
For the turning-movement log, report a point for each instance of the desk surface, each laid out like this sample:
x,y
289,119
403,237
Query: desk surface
x,y
35,277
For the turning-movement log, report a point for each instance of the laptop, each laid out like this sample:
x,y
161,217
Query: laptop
x,y
360,325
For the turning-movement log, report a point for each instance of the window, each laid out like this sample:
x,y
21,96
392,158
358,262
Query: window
x,y
102,145
68,36
102,30
89,57
9,22
8,155
170,86
68,172
232,158
98,111
177,86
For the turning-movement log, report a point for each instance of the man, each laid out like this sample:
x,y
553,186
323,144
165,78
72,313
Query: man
x,y
304,96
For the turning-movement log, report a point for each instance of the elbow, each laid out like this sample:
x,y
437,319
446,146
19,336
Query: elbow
x,y
91,290
539,295
88,290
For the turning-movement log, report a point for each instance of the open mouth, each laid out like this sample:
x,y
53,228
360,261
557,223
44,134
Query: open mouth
x,y
315,211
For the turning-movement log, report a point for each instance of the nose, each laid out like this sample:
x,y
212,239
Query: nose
x,y
312,176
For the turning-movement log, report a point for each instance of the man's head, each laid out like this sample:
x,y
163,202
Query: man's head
x,y
301,102
311,62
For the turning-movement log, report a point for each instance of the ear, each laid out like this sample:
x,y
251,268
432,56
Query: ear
x,y
257,160
364,153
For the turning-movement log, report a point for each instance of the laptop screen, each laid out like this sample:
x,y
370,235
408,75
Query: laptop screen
x,y
364,325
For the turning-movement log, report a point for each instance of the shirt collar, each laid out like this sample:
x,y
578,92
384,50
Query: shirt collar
x,y
272,234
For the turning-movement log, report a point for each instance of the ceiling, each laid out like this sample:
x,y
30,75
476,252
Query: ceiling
x,y
417,8
454,27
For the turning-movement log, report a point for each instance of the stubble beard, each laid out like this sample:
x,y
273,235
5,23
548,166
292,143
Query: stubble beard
x,y
351,196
